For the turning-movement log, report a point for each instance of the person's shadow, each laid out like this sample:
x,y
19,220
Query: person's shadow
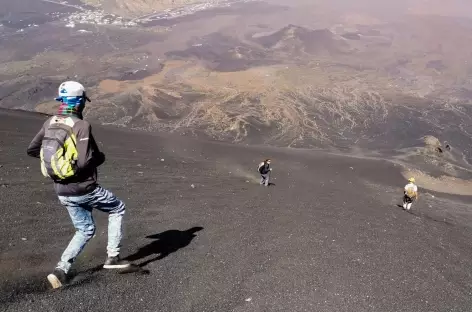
x,y
164,244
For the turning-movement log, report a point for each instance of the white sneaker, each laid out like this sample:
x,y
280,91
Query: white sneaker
x,y
115,263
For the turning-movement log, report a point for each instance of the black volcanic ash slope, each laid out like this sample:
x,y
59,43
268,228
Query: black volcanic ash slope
x,y
319,237
294,37
224,53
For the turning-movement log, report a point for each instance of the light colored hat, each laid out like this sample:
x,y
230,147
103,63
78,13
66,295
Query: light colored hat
x,y
72,89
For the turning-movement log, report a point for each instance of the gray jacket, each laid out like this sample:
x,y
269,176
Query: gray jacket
x,y
89,158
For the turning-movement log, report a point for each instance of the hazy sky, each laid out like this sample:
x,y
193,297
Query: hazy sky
x,y
390,7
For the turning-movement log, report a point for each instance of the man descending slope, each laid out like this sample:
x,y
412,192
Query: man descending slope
x,y
70,157
264,169
410,194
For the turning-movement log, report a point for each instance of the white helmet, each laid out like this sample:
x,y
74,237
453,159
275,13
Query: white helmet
x,y
72,88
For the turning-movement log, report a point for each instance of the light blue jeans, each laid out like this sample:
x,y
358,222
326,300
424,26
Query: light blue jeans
x,y
80,211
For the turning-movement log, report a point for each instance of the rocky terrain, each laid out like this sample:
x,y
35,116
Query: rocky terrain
x,y
336,76
326,236
348,98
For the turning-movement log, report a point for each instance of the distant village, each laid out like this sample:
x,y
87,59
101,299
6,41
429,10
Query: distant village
x,y
88,16
100,17
97,17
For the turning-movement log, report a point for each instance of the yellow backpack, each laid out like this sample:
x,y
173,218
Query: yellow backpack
x,y
59,149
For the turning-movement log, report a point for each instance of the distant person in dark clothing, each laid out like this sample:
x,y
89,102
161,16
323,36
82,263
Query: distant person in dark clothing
x,y
264,169
70,157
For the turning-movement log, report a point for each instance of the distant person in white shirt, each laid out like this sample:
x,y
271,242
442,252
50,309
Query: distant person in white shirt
x,y
410,194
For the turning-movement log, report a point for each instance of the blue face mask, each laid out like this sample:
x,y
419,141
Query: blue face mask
x,y
72,101
71,105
